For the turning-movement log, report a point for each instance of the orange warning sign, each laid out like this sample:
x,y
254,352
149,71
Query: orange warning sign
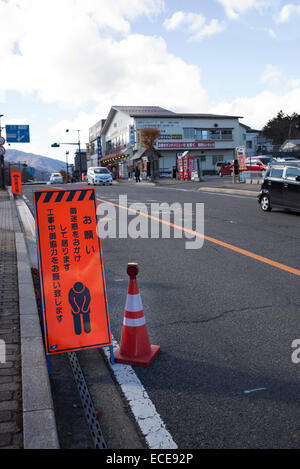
x,y
73,291
16,181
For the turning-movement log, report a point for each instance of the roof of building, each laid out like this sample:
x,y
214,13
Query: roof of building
x,y
253,131
157,111
205,116
295,141
135,111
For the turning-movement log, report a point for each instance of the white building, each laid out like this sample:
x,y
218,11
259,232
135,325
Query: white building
x,y
94,147
207,137
291,145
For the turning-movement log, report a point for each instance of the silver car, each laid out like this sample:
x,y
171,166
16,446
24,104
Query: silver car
x,y
56,178
99,175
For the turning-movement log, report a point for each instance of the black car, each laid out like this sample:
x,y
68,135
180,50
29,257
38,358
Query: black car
x,y
281,186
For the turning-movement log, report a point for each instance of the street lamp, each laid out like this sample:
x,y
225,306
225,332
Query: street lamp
x,y
57,145
80,166
67,154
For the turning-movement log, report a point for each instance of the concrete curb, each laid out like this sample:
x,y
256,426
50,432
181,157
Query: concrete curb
x,y
39,426
229,191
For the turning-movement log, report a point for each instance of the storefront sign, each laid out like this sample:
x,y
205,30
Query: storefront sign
x,y
99,148
16,181
241,156
170,137
131,135
73,292
184,145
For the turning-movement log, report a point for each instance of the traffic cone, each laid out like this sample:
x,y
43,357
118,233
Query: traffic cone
x,y
135,348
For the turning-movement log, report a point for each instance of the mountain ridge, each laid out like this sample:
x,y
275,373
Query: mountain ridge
x,y
43,165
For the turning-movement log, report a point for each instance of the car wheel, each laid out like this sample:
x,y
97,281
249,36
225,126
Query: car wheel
x,y
265,204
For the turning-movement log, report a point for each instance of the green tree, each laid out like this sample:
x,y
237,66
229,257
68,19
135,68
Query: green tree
x,y
282,127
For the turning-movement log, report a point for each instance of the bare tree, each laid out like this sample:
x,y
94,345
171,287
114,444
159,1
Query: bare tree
x,y
149,137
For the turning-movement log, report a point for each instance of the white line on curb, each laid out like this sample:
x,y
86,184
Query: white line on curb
x,y
149,421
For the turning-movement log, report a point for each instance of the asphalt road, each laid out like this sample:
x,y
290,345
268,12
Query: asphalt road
x,y
225,321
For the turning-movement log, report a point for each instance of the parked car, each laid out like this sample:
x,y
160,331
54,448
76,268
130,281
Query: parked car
x,y
219,165
56,178
255,164
281,187
265,160
226,169
287,158
99,175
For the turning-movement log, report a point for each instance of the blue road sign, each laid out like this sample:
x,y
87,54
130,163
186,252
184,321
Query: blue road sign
x,y
17,133
31,170
99,148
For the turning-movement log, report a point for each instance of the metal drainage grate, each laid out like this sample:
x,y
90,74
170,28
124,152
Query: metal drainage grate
x,y
87,402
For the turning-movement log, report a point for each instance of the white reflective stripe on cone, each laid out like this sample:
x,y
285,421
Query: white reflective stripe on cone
x,y
134,322
134,303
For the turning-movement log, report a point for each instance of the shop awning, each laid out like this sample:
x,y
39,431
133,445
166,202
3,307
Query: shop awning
x,y
139,153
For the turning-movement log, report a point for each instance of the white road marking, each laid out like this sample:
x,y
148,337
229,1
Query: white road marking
x,y
254,390
146,415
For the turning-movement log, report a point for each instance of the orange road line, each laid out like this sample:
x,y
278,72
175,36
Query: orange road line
x,y
244,252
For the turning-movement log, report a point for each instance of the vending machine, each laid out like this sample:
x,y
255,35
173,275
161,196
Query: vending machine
x,y
180,168
188,166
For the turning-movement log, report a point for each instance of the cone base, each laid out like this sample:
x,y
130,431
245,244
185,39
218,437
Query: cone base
x,y
137,361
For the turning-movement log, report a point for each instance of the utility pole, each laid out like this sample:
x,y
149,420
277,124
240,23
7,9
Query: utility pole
x,y
80,165
2,149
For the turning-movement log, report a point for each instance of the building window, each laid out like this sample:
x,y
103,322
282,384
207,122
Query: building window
x,y
188,133
226,134
215,134
217,158
202,134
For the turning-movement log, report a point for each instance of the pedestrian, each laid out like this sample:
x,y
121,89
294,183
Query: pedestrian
x,y
236,170
137,174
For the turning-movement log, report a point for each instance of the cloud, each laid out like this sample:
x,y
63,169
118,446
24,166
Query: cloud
x,y
287,12
235,8
272,34
194,24
271,76
77,53
257,110
281,92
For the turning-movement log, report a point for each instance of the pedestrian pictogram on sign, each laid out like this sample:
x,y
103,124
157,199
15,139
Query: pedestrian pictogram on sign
x,y
16,181
73,291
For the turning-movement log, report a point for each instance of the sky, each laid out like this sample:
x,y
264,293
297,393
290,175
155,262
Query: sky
x,y
64,63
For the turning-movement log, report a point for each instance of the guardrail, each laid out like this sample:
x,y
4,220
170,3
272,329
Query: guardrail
x,y
252,177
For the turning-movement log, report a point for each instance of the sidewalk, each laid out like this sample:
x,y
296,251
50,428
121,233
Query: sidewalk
x,y
26,409
11,428
209,184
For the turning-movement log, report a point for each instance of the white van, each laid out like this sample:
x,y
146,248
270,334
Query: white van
x,y
99,175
